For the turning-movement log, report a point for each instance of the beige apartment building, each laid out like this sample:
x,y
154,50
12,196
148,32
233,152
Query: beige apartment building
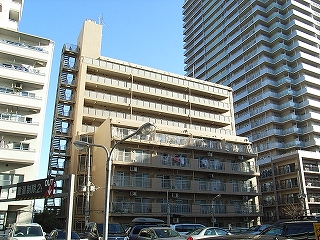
x,y
268,52
193,168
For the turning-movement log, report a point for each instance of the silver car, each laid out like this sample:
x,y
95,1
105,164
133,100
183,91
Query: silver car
x,y
202,233
161,233
26,231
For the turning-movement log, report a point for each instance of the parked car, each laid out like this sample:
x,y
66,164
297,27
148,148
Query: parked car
x,y
203,233
26,231
59,234
137,224
184,228
94,231
256,229
162,233
288,230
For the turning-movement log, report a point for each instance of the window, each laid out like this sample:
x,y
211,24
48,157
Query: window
x,y
21,146
274,231
8,179
82,164
124,155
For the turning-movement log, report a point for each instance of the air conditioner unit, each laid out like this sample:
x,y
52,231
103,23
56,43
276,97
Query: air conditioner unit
x,y
17,86
133,193
175,220
175,195
133,169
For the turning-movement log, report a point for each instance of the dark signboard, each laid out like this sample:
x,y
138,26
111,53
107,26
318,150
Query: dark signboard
x,y
42,188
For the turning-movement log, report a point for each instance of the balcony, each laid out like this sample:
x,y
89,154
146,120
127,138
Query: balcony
x,y
290,168
10,153
18,124
20,101
288,200
188,142
267,188
15,127
204,210
175,161
145,184
310,168
314,198
21,73
24,50
311,183
153,107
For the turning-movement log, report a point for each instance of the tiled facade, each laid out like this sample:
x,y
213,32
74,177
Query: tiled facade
x,y
193,156
268,52
25,65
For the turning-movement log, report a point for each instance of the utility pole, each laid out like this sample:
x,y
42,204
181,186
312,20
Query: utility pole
x,y
168,209
88,189
212,207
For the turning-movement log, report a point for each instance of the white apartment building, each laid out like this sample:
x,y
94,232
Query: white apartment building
x,y
25,65
177,172
268,52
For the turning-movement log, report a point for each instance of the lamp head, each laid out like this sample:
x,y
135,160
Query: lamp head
x,y
217,196
80,145
146,129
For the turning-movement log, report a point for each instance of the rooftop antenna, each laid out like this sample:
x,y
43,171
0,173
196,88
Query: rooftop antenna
x,y
101,20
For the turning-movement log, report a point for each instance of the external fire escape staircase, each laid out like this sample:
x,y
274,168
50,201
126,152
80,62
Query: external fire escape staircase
x,y
59,157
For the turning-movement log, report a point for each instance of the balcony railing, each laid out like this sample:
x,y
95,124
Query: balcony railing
x,y
311,168
314,198
15,118
22,45
202,209
22,68
312,183
7,90
190,142
15,145
175,161
287,200
269,202
132,182
267,188
178,184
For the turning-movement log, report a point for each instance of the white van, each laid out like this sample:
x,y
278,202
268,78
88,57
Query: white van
x,y
184,228
26,231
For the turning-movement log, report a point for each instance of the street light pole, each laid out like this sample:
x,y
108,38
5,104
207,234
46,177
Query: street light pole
x,y
168,209
144,129
88,189
80,145
212,207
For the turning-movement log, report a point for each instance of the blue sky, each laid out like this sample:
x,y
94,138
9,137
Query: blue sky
x,y
145,32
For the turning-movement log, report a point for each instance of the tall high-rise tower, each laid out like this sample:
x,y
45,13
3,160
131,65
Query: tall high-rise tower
x,y
25,65
268,52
